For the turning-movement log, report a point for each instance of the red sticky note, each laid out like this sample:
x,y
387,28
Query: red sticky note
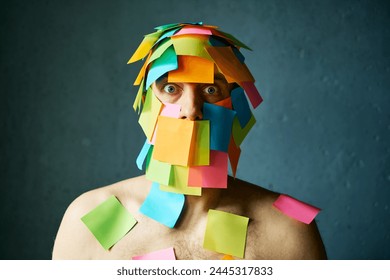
x,y
296,209
252,93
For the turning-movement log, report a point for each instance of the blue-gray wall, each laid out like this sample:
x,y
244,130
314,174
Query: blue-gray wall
x,y
322,135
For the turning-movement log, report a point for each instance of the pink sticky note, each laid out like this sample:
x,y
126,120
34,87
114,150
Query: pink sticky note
x,y
296,209
193,30
213,175
252,93
165,254
169,110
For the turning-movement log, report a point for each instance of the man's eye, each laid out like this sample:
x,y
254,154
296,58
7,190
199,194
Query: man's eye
x,y
171,89
210,90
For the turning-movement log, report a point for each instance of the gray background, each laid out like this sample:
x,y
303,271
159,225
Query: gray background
x,y
322,133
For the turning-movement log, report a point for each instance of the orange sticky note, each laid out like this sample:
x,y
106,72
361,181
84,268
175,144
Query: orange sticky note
x,y
173,141
192,69
227,257
227,103
229,64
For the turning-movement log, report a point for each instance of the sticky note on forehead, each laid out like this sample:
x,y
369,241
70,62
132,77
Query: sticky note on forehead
x,y
191,45
173,141
109,222
226,233
192,69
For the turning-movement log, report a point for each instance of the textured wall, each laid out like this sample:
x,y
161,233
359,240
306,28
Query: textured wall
x,y
323,131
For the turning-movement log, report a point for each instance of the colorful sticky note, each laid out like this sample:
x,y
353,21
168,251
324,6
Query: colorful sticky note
x,y
296,209
234,155
194,30
191,45
173,141
109,222
226,233
227,103
142,155
253,94
169,110
163,207
241,106
221,120
230,38
201,144
167,34
164,254
192,69
138,99
157,171
165,63
229,64
214,175
160,50
178,182
145,46
227,257
240,133
149,114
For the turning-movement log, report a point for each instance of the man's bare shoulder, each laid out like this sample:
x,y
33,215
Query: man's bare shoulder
x,y
74,240
273,234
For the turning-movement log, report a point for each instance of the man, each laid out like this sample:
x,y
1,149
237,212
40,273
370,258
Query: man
x,y
193,89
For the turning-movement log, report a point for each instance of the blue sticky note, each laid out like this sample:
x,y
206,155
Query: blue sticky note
x,y
165,63
221,120
142,155
241,106
163,207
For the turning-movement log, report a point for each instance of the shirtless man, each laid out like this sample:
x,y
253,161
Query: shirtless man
x,y
270,234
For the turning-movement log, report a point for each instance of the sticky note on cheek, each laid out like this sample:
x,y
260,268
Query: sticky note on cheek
x,y
296,209
150,112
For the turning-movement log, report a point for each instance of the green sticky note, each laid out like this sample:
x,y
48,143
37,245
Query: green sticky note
x,y
240,133
201,145
189,45
160,50
149,114
226,233
157,171
109,222
179,182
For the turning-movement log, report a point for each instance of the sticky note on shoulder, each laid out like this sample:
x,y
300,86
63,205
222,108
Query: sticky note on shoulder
x,y
296,209
226,233
109,222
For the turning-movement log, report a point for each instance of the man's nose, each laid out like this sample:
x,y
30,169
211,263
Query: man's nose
x,y
191,105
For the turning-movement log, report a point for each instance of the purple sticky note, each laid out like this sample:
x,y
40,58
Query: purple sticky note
x,y
296,209
252,93
164,254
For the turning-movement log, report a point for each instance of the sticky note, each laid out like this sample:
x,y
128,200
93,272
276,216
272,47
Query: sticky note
x,y
168,110
164,254
229,64
191,45
226,233
167,34
138,99
221,120
240,133
163,207
109,222
157,171
227,257
145,46
173,141
178,182
252,93
227,103
241,106
201,144
165,63
160,50
192,69
234,155
230,38
142,155
214,175
149,114
296,209
193,30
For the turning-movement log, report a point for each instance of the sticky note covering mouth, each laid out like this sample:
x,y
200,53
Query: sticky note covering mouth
x,y
226,233
109,222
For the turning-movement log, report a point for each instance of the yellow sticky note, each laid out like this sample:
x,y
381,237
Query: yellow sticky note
x,y
191,45
201,144
145,46
173,141
229,64
226,233
157,171
141,73
138,98
149,114
192,69
240,133
178,182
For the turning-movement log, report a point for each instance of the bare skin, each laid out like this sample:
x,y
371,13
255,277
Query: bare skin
x,y
271,234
